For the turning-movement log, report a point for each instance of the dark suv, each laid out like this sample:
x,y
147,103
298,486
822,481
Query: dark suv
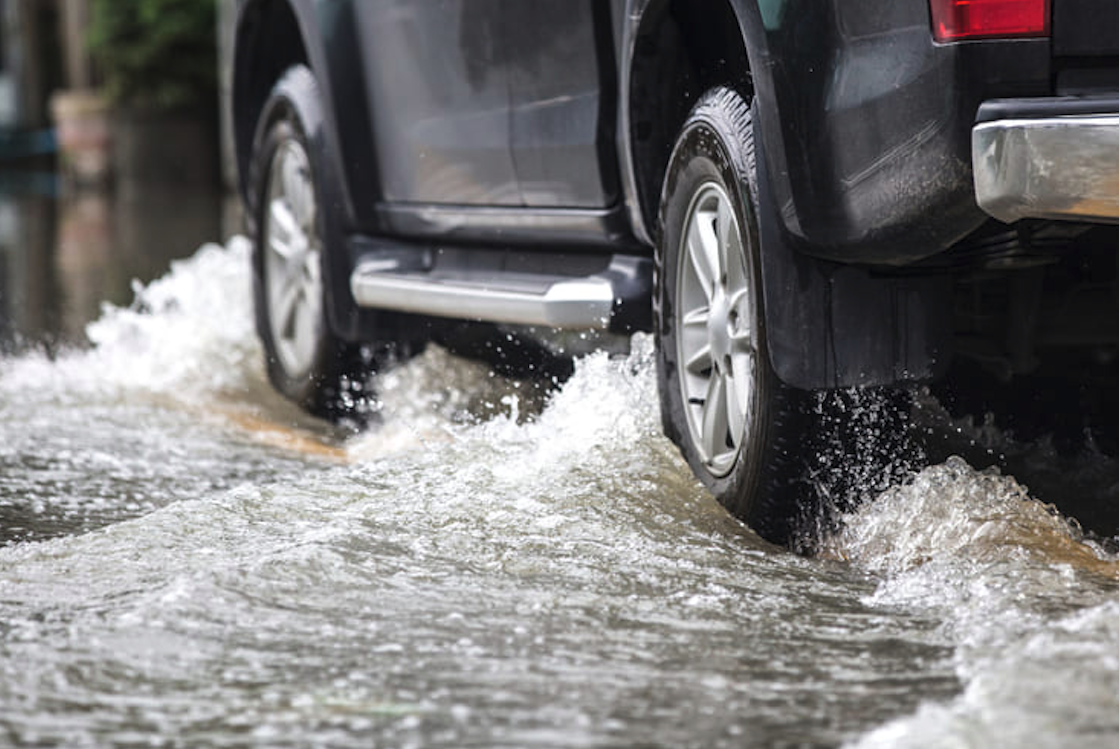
x,y
793,195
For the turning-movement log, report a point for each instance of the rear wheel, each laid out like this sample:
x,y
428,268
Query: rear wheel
x,y
306,362
735,423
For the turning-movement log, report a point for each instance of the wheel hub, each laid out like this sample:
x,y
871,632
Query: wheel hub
x,y
293,281
715,329
719,329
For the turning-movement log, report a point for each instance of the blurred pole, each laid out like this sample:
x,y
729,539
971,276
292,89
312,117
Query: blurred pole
x,y
227,10
232,219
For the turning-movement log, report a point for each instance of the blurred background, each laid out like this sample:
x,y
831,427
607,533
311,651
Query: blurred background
x,y
110,154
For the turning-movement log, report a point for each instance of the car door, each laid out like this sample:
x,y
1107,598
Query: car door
x,y
560,60
440,87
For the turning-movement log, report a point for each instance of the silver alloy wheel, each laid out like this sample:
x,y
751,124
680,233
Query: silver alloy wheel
x,y
292,262
716,329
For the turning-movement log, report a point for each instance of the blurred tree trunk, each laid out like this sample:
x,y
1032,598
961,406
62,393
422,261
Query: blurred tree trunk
x,y
30,46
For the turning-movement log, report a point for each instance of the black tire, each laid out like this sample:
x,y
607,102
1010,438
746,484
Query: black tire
x,y
753,468
306,362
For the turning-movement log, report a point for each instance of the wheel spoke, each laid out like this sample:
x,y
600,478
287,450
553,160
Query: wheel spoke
x,y
306,207
282,228
697,317
701,252
726,235
281,251
742,342
736,411
281,268
715,419
303,326
312,272
742,336
700,361
292,184
740,301
287,309
705,221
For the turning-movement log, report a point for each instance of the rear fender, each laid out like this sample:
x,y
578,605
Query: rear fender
x,y
830,325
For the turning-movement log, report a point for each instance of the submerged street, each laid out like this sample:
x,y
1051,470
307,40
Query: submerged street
x,y
185,560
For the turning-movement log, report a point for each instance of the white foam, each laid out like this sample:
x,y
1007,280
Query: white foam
x,y
607,406
1024,603
187,333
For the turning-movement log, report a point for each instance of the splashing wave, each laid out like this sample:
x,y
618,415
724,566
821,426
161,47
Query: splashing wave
x,y
1027,606
189,333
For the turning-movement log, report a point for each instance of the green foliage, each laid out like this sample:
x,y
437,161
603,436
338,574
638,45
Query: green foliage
x,y
156,53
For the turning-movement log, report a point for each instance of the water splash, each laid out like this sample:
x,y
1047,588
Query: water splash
x,y
951,511
495,564
146,414
189,334
1027,605
858,445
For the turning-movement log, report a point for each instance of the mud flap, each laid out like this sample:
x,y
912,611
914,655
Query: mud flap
x,y
832,326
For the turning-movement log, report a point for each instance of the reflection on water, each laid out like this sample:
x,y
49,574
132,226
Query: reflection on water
x,y
62,257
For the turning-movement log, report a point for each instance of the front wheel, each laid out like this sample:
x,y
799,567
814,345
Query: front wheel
x,y
734,422
306,362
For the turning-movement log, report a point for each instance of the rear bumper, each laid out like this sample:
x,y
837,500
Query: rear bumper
x,y
1048,158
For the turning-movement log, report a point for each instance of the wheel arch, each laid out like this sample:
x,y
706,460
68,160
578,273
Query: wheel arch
x,y
828,325
268,41
272,36
676,51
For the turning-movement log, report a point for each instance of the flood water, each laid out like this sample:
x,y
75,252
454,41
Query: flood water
x,y
187,561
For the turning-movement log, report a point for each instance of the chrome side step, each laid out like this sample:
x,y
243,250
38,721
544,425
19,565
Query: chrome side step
x,y
586,302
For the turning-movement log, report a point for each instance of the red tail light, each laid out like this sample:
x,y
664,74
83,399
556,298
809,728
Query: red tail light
x,y
959,20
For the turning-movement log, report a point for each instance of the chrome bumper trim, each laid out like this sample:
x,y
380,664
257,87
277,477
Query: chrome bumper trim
x,y
1050,167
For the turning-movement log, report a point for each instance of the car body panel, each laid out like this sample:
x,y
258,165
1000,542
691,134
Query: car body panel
x,y
563,86
514,107
508,124
439,100
865,121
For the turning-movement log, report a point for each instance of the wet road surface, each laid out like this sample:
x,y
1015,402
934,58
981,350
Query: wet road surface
x,y
186,561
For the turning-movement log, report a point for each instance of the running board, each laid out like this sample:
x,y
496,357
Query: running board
x,y
594,302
